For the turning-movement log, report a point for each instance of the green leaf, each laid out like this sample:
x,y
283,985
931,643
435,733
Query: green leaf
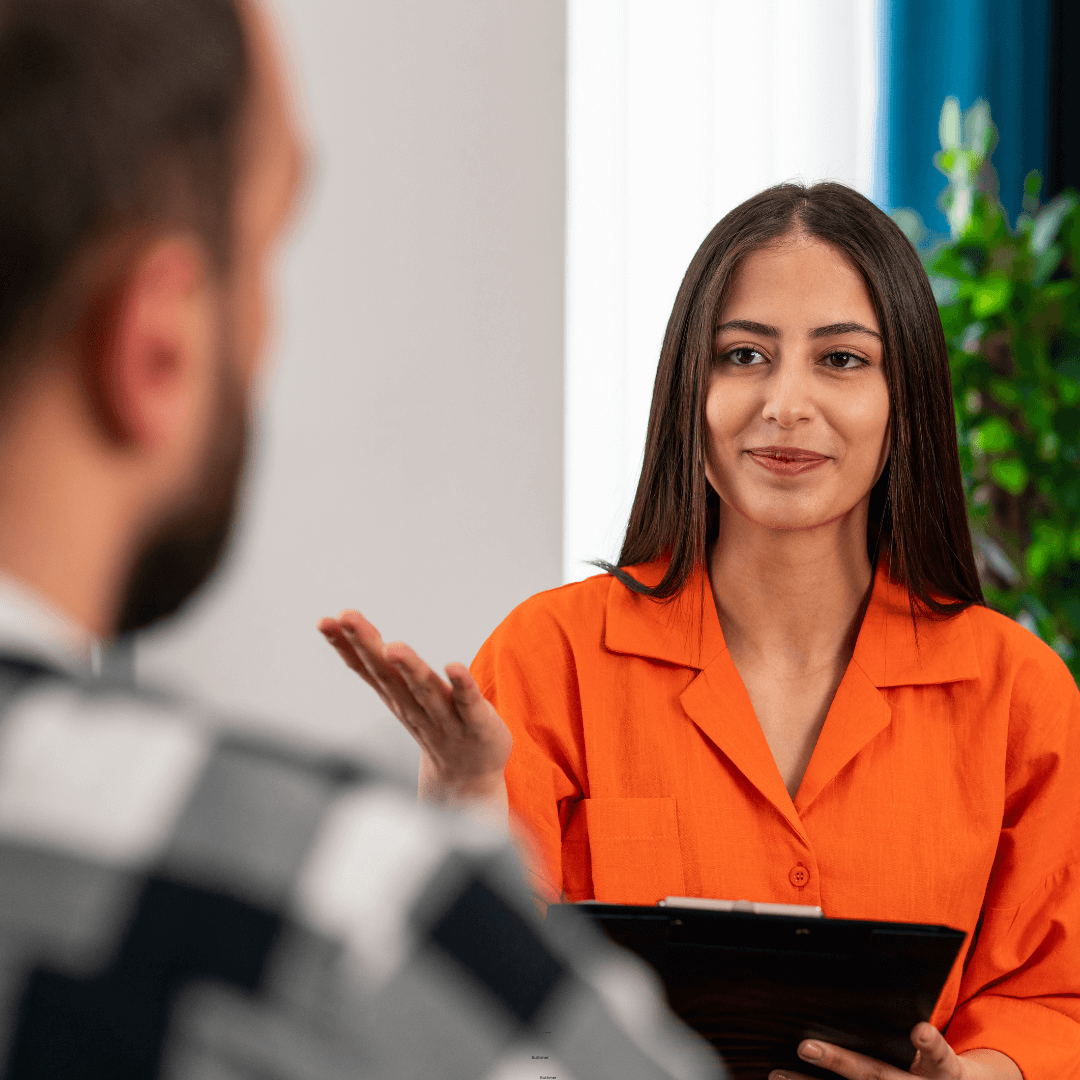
x,y
1035,606
1032,187
1068,391
990,297
993,436
1037,560
946,161
1004,391
958,202
1068,381
979,131
1048,221
1010,475
1048,549
947,261
949,124
1063,647
1046,263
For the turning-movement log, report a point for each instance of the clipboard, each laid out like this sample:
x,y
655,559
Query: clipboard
x,y
755,984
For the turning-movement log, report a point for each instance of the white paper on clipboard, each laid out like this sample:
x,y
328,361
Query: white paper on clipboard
x,y
701,903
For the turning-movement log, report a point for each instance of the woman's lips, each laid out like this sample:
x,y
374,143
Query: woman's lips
x,y
786,460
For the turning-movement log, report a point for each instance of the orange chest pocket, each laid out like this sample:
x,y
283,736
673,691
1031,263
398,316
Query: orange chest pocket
x,y
623,851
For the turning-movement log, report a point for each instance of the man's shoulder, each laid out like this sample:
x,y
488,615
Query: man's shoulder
x,y
153,791
266,904
147,844
150,782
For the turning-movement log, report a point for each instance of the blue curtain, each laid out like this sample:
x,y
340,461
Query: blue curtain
x,y
994,49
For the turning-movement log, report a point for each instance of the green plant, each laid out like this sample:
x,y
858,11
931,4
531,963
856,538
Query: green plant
x,y
1010,307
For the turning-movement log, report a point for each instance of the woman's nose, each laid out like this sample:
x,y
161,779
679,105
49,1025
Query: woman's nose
x,y
789,394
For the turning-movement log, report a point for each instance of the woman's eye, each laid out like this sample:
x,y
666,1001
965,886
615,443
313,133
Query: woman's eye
x,y
745,357
840,361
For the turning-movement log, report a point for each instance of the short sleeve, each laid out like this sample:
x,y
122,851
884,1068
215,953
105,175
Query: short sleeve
x,y
1020,992
526,670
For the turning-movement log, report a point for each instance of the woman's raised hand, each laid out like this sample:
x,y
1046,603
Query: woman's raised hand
x,y
463,741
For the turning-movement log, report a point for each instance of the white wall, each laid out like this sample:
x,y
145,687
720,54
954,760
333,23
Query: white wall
x,y
678,111
409,460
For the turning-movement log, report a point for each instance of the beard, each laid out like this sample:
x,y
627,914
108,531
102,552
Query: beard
x,y
186,549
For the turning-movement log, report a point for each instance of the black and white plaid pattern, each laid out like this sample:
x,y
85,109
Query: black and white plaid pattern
x,y
184,901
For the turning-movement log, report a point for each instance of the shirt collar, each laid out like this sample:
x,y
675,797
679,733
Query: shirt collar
x,y
891,650
31,628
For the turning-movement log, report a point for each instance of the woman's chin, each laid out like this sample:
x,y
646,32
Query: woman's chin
x,y
790,519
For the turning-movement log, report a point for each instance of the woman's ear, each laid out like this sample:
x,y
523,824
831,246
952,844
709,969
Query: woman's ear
x,y
151,344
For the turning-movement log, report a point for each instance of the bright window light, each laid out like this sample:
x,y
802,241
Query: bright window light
x,y
678,111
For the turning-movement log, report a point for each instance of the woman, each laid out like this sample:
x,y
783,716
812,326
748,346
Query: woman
x,y
789,689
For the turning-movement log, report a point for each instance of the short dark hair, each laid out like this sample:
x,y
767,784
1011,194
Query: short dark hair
x,y
917,508
114,114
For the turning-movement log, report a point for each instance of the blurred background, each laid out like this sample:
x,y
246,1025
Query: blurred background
x,y
506,197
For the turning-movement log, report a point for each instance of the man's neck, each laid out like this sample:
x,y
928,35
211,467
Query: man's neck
x,y
63,518
65,584
32,627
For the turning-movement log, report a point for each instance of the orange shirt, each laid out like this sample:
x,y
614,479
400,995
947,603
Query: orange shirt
x,y
944,787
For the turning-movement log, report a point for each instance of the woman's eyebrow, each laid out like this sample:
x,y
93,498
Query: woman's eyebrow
x,y
843,328
832,330
750,327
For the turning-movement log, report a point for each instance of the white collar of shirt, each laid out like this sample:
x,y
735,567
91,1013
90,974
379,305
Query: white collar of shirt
x,y
34,629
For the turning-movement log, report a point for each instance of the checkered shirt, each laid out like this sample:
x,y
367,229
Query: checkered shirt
x,y
179,899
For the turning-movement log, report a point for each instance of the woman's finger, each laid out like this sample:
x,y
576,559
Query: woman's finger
x,y
936,1059
371,652
844,1063
480,717
388,681
467,696
430,692
354,643
335,635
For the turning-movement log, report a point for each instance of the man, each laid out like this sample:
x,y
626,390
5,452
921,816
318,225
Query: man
x,y
178,900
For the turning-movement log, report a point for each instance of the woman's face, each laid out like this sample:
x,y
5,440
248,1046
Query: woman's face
x,y
797,406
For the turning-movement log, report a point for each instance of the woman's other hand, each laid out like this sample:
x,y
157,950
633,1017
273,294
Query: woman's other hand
x,y
935,1060
463,741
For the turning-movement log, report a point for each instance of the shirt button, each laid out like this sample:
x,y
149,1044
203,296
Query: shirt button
x,y
799,876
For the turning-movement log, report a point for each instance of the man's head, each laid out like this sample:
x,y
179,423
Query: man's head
x,y
148,164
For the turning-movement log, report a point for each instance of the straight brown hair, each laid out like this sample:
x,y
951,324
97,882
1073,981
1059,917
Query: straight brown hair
x,y
918,517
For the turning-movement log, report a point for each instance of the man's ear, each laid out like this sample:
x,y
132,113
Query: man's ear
x,y
151,343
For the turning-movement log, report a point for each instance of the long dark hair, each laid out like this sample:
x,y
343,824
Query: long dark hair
x,y
917,514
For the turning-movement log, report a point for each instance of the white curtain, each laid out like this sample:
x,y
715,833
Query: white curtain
x,y
677,111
